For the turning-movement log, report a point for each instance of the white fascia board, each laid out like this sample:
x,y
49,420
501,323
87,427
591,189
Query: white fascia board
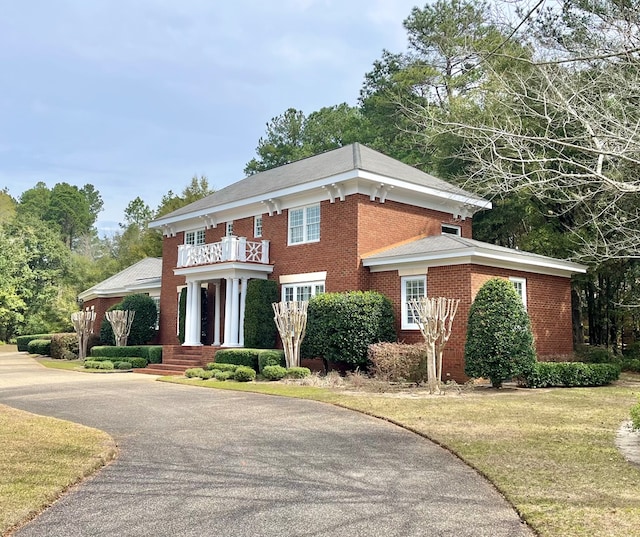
x,y
549,266
224,270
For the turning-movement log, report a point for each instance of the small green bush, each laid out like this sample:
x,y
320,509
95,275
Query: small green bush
x,y
244,374
206,375
630,364
215,366
23,341
245,357
68,355
152,353
595,355
39,346
105,364
123,365
91,364
571,374
274,372
270,357
137,362
635,417
63,343
222,375
298,372
194,372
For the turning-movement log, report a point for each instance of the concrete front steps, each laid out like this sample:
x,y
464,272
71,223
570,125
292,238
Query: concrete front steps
x,y
176,359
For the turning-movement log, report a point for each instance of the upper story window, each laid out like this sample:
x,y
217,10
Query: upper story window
x,y
304,224
412,287
229,229
257,226
194,238
520,285
301,291
449,229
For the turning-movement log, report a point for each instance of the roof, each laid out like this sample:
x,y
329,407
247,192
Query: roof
x,y
143,276
448,249
305,172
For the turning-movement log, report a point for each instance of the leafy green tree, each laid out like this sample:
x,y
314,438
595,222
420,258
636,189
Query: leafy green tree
x,y
499,343
34,202
7,206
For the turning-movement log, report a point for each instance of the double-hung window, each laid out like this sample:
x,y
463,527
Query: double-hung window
x,y
520,285
257,226
301,291
194,238
412,287
304,224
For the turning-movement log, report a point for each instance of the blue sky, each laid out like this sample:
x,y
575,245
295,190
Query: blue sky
x,y
137,96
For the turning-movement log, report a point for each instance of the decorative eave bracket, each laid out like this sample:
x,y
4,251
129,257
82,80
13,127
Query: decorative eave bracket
x,y
273,205
380,191
168,231
334,191
209,221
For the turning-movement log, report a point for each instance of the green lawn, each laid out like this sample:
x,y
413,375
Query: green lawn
x,y
551,452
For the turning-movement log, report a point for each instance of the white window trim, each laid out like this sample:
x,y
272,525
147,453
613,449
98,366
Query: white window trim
x,y
305,239
257,219
523,284
455,230
228,228
201,232
405,324
295,286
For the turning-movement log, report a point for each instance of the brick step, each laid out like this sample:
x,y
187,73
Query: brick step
x,y
190,351
152,370
170,367
180,361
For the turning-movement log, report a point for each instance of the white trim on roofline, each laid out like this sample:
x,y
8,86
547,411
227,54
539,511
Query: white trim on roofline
x,y
477,256
351,182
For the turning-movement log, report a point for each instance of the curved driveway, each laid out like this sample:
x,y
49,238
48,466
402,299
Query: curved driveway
x,y
200,462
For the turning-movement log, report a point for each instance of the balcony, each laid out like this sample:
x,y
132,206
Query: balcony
x,y
229,249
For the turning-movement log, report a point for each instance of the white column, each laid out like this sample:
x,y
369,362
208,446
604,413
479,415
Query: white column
x,y
235,311
192,318
196,325
243,294
216,316
227,313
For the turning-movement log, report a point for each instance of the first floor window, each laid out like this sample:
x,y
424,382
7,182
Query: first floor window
x,y
304,224
299,292
412,287
520,285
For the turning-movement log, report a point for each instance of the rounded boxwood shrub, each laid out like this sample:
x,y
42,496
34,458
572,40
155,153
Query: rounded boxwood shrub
x,y
91,364
193,372
39,346
259,327
105,364
271,357
143,327
298,372
341,326
222,375
274,372
123,365
244,374
499,343
215,366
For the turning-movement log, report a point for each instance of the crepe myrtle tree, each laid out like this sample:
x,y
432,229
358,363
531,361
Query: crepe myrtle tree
x,y
499,343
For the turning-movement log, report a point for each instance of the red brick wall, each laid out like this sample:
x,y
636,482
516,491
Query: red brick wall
x,y
168,294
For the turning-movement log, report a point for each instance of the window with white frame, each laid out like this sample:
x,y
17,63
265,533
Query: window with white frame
x,y
156,301
449,229
229,229
520,285
304,224
412,287
301,291
194,238
257,226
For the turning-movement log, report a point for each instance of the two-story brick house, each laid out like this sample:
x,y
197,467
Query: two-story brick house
x,y
348,219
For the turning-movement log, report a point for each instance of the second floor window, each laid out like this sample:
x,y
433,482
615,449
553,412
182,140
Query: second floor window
x,y
229,229
304,224
257,226
194,238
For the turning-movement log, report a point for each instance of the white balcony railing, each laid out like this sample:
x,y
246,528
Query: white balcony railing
x,y
228,249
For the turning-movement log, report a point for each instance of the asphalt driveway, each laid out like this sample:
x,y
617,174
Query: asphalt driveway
x,y
200,462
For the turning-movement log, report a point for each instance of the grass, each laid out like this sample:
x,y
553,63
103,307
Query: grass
x,y
69,365
551,452
42,457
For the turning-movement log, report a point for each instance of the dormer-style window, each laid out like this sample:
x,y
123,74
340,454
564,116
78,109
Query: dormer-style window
x,y
449,229
304,224
257,226
194,238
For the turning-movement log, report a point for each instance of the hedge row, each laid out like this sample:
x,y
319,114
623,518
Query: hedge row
x,y
39,346
571,374
151,353
58,346
23,341
103,363
256,359
135,361
240,373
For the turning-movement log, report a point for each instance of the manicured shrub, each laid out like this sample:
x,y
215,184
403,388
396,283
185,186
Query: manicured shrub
x,y
206,375
630,364
341,326
143,327
123,365
397,362
274,372
62,344
151,353
194,372
223,375
105,364
245,357
68,355
298,372
91,364
635,417
570,374
499,343
259,327
39,346
596,355
244,374
137,362
215,366
270,357
23,341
